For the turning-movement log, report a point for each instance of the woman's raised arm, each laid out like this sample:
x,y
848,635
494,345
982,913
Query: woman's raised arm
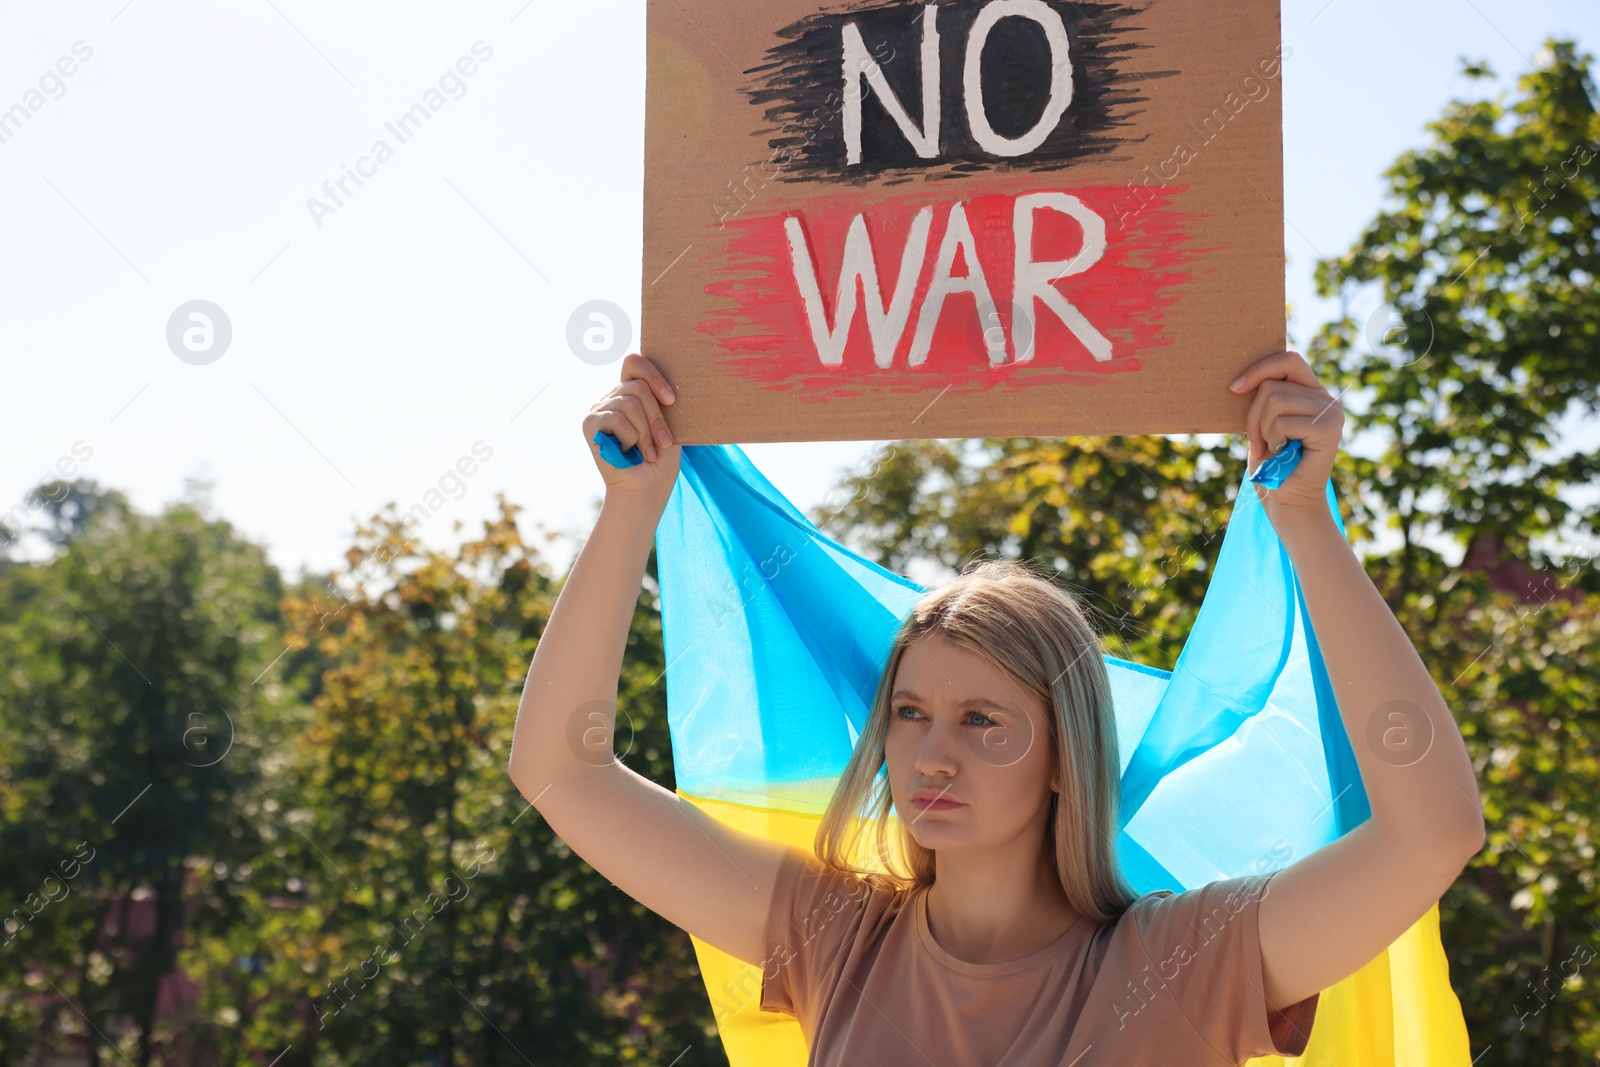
x,y
697,873
1334,911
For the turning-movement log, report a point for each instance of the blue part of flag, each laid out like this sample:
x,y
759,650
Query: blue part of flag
x,y
611,451
1271,471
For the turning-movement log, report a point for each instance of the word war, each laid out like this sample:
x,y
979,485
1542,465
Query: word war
x,y
1032,283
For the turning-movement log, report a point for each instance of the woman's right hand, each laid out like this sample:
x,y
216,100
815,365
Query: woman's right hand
x,y
631,412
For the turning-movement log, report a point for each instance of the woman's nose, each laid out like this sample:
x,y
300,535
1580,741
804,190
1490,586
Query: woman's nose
x,y
937,752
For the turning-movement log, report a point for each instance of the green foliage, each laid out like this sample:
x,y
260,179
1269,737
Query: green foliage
x,y
354,880
1488,250
412,907
1522,924
128,666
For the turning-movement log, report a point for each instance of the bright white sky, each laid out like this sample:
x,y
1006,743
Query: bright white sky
x,y
429,312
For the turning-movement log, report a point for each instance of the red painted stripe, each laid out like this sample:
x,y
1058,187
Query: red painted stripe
x,y
767,338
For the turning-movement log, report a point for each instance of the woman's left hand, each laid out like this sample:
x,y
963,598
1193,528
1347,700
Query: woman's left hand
x,y
1291,404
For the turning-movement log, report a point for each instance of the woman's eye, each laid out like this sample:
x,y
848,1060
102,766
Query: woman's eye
x,y
980,717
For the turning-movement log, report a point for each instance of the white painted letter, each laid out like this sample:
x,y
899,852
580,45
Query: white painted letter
x,y
858,63
886,325
957,236
1032,280
1055,31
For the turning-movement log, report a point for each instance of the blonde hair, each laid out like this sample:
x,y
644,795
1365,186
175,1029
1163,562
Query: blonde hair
x,y
1035,631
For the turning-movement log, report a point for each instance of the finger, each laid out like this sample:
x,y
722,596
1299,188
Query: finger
x,y
1284,398
1279,397
1325,426
1303,428
1291,400
626,415
1252,428
635,366
615,423
660,433
634,408
1289,366
1322,419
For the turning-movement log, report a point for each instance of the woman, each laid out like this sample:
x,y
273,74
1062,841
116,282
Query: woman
x,y
1005,933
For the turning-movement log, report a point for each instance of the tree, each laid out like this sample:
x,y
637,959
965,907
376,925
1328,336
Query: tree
x,y
1522,924
408,905
130,657
1487,252
66,509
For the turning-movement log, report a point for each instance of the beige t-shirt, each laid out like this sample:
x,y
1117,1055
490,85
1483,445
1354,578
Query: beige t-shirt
x,y
1175,980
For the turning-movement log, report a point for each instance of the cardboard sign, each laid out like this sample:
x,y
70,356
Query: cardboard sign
x,y
961,219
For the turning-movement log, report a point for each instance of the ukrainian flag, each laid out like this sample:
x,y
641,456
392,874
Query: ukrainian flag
x,y
1234,762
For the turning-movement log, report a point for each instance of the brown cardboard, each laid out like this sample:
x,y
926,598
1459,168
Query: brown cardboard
x,y
1172,138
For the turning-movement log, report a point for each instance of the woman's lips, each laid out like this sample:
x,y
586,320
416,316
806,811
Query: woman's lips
x,y
930,804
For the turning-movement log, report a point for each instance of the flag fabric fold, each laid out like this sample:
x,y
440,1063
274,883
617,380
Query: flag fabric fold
x,y
1233,762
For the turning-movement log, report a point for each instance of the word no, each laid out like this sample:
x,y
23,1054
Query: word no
x,y
858,64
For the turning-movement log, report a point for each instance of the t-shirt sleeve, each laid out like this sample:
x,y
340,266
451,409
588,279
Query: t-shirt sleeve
x,y
814,915
1205,945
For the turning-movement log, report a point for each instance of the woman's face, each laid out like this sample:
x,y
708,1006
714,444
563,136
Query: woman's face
x,y
963,729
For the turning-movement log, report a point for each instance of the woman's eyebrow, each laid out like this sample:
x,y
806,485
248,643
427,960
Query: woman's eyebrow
x,y
970,702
